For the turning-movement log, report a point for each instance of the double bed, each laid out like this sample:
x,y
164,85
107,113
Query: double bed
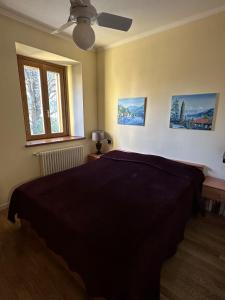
x,y
115,220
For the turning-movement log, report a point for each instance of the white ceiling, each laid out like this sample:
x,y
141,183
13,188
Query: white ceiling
x,y
147,15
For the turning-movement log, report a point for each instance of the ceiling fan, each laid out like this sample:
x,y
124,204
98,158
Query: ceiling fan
x,y
83,14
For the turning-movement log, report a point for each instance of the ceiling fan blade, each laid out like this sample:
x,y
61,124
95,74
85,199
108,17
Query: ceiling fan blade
x,y
114,21
63,27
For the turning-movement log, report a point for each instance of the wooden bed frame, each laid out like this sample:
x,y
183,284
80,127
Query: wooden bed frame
x,y
199,166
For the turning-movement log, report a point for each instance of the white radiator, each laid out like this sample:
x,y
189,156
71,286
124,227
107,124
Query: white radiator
x,y
61,159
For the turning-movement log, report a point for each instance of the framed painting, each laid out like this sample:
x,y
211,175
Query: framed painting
x,y
131,111
193,111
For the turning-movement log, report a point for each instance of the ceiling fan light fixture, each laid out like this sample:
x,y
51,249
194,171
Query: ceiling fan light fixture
x,y
84,14
83,34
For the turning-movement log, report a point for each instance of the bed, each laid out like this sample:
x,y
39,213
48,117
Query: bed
x,y
115,220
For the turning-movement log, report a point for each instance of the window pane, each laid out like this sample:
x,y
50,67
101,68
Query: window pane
x,y
34,100
55,105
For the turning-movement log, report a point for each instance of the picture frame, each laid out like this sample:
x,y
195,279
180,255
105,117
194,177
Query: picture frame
x,y
132,111
196,112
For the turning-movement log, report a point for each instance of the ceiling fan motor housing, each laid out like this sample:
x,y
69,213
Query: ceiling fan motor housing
x,y
83,11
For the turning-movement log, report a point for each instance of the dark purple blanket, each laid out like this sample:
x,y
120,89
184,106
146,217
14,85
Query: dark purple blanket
x,y
114,220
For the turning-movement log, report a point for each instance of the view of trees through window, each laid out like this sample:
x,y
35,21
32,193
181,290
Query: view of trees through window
x,y
43,95
55,107
34,100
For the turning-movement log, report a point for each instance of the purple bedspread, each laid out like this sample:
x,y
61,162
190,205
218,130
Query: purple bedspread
x,y
114,220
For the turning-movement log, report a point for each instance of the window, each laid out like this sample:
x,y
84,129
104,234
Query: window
x,y
44,98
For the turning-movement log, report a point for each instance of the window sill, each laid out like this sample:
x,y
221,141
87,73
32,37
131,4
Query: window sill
x,y
53,141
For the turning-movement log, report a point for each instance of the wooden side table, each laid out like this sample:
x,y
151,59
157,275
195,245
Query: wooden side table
x,y
214,195
214,189
93,156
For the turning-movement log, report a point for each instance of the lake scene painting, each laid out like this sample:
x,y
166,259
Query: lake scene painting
x,y
131,111
193,111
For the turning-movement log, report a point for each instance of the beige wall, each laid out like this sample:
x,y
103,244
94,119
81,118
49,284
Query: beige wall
x,y
17,164
185,60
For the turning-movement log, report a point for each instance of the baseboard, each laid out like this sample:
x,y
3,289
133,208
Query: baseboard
x,y
4,206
